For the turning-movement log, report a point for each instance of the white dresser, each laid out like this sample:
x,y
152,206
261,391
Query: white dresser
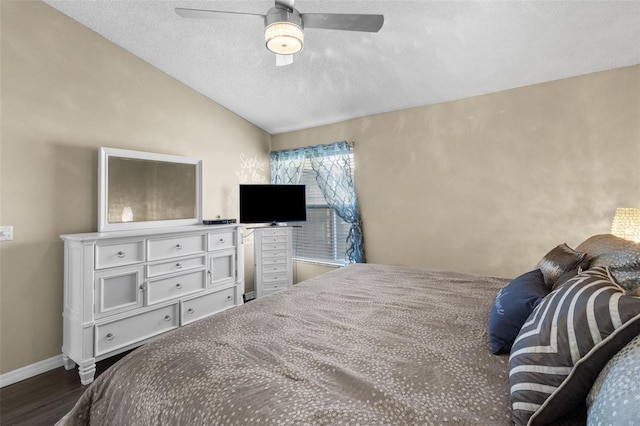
x,y
273,252
122,288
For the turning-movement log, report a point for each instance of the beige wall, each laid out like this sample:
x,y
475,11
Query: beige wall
x,y
303,271
65,92
489,184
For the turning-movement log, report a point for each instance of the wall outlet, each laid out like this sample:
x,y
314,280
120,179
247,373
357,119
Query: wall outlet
x,y
6,233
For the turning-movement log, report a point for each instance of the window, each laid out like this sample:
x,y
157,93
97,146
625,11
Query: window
x,y
323,237
333,231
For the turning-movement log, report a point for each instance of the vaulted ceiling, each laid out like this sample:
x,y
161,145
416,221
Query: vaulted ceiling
x,y
427,52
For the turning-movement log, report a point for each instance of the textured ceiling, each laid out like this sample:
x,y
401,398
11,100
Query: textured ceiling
x,y
427,52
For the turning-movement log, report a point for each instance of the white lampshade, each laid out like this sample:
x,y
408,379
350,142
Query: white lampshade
x,y
284,38
626,224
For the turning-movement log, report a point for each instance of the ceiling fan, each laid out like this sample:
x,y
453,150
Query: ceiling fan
x,y
284,25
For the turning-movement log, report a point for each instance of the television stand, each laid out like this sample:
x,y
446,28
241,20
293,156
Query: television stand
x,y
273,251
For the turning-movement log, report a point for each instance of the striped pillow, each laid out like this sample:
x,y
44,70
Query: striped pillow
x,y
565,343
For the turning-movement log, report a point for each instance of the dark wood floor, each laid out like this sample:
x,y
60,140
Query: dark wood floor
x,y
46,398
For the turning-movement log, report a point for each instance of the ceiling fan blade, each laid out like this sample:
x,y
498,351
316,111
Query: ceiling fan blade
x,y
285,3
214,14
343,21
282,60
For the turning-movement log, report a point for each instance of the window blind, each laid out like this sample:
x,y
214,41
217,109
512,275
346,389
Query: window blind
x,y
323,237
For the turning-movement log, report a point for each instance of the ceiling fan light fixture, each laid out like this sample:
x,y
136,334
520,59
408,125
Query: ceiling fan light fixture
x,y
284,38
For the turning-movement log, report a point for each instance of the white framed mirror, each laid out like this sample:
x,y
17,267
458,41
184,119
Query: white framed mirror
x,y
145,190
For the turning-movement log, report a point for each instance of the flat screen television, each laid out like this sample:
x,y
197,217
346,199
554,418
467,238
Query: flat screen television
x,y
274,204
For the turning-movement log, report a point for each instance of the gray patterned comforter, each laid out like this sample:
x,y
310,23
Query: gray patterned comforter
x,y
363,345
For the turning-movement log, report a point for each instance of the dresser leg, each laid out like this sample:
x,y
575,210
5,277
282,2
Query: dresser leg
x,y
87,373
68,362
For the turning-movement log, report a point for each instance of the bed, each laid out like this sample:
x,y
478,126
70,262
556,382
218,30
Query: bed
x,y
366,344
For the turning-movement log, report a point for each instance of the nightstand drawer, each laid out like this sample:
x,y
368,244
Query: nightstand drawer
x,y
123,332
119,254
203,306
156,269
176,286
174,247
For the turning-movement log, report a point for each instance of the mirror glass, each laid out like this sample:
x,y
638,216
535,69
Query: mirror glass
x,y
140,190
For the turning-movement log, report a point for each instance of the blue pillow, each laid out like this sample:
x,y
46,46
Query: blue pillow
x,y
511,308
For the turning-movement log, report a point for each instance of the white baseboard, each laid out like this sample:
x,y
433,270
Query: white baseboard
x,y
28,371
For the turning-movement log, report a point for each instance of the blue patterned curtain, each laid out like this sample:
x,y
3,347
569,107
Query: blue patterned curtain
x,y
286,166
335,179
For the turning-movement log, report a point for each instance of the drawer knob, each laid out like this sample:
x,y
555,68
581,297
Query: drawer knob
x,y
178,286
109,337
222,241
179,246
190,311
141,287
228,297
167,317
179,265
120,254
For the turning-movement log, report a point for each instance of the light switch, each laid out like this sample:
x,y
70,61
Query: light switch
x,y
6,233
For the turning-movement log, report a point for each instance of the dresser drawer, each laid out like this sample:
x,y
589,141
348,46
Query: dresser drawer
x,y
275,268
222,240
275,232
268,292
274,246
117,334
276,239
273,278
175,286
173,247
173,266
118,254
269,261
269,254
274,286
203,306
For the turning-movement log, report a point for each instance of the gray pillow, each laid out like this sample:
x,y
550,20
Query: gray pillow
x,y
561,261
615,396
620,255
